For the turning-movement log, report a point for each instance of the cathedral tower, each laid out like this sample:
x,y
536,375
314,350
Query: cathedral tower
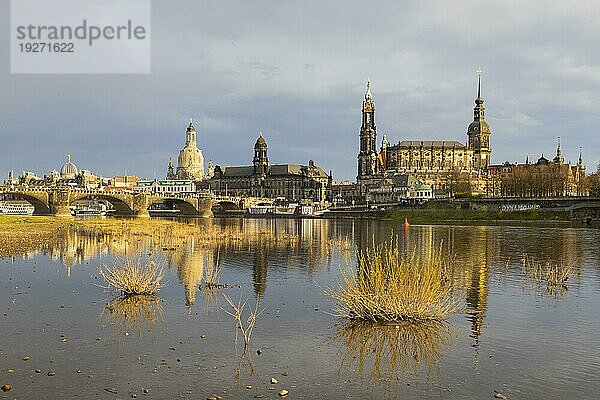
x,y
479,132
367,157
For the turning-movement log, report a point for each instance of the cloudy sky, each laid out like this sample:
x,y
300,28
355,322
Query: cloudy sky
x,y
297,71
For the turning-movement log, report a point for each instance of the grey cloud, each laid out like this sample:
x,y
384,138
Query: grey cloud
x,y
296,71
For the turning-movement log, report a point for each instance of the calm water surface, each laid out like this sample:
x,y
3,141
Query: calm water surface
x,y
513,336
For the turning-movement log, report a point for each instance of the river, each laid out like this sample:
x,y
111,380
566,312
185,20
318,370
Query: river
x,y
512,335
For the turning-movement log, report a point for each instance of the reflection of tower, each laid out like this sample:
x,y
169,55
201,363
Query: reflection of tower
x,y
260,264
477,294
190,268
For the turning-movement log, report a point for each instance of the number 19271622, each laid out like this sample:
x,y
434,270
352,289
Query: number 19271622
x,y
41,47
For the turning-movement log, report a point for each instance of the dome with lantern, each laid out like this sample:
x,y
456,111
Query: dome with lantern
x,y
68,170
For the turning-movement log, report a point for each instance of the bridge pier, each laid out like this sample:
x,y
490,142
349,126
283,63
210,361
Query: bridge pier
x,y
142,213
59,201
62,211
205,208
141,202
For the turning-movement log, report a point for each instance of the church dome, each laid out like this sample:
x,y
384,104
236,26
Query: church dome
x,y
478,126
190,163
260,142
68,170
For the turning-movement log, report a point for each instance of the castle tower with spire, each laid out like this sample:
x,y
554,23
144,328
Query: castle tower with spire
x,y
479,132
190,163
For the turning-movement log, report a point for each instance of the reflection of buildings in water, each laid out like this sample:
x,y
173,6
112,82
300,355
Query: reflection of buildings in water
x,y
473,249
260,264
71,247
286,244
477,294
191,260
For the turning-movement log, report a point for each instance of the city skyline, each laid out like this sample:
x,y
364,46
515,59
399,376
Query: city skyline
x,y
241,71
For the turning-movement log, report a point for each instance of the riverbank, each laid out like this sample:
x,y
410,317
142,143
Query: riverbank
x,y
21,235
442,216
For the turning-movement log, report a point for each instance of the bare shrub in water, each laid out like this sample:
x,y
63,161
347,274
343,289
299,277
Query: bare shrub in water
x,y
391,285
134,277
244,325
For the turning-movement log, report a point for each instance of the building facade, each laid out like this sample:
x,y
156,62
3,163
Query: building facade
x,y
171,186
544,178
261,179
190,163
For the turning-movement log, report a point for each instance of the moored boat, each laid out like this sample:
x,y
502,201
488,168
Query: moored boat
x,y
292,210
16,208
89,211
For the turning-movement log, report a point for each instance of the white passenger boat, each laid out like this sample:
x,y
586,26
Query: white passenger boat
x,y
99,211
290,211
16,208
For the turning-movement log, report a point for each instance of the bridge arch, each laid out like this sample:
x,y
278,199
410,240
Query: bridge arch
x,y
185,207
41,205
225,205
121,206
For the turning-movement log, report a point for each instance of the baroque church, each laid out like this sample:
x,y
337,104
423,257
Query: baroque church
x,y
190,163
450,167
429,161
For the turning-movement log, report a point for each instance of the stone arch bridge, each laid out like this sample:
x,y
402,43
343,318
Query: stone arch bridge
x,y
56,201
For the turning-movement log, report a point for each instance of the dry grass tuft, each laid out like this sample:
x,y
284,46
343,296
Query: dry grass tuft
x,y
134,277
212,273
391,286
551,274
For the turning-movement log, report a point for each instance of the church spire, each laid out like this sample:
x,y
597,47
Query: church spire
x,y
368,103
479,111
170,170
559,157
478,131
479,83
